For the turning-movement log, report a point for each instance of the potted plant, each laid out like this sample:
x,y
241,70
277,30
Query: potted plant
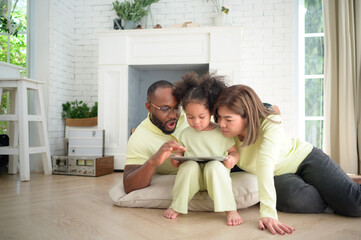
x,y
132,11
78,114
222,11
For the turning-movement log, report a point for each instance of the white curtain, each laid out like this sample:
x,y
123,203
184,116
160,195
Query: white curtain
x,y
342,133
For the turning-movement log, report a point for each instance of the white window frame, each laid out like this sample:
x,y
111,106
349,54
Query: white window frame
x,y
300,72
9,2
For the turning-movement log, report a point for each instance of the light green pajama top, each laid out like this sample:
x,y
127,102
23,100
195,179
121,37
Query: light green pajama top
x,y
272,154
205,143
146,141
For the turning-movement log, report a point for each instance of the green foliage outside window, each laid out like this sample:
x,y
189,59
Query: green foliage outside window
x,y
313,18
314,55
17,42
314,65
13,44
314,91
3,110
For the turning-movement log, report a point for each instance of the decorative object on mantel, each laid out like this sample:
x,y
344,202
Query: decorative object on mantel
x,y
185,25
158,26
149,21
8,23
131,11
78,114
222,17
117,24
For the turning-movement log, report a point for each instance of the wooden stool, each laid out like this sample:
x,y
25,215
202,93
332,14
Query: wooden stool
x,y
19,134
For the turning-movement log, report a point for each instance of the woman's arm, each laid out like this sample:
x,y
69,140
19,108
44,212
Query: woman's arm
x,y
269,151
232,158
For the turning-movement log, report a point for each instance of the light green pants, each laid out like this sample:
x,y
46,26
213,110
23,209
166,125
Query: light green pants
x,y
212,176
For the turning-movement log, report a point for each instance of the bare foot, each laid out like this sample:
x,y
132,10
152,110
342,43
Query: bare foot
x,y
171,214
233,218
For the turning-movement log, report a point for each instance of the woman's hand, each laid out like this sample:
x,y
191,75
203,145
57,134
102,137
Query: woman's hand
x,y
274,226
232,158
230,162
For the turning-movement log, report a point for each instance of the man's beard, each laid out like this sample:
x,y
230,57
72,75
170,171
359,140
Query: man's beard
x,y
158,123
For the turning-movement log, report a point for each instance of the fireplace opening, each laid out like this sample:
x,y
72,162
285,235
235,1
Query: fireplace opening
x,y
142,76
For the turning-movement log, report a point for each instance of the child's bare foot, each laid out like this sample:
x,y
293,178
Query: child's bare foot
x,y
171,214
233,218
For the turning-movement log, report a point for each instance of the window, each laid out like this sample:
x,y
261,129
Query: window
x,y
311,70
13,44
13,39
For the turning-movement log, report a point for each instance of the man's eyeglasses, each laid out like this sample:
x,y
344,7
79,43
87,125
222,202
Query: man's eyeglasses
x,y
166,110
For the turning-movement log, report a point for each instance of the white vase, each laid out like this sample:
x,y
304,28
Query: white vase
x,y
221,19
149,21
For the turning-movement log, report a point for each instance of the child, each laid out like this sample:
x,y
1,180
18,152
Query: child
x,y
203,138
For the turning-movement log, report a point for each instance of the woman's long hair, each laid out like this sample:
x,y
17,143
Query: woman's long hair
x,y
244,101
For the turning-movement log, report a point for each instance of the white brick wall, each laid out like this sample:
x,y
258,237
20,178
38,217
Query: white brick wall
x,y
267,49
61,72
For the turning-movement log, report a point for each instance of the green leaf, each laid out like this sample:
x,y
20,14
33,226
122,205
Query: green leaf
x,y
79,109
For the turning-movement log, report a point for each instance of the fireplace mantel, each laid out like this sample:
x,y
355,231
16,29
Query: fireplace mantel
x,y
219,47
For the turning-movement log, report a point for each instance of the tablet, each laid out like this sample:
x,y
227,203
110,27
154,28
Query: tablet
x,y
198,159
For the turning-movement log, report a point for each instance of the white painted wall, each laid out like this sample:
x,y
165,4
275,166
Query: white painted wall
x,y
267,49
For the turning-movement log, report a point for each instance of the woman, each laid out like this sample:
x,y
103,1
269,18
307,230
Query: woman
x,y
301,177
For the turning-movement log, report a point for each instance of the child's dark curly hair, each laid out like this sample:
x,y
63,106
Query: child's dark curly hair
x,y
204,90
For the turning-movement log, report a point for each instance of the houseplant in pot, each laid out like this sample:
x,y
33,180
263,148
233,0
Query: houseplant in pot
x,y
78,114
130,12
222,11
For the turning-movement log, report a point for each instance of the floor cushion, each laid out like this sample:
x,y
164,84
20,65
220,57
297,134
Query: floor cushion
x,y
159,193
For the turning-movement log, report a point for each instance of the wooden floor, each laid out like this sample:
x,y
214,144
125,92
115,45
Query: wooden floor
x,y
70,207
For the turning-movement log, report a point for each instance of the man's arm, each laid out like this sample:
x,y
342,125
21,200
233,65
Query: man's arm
x,y
140,176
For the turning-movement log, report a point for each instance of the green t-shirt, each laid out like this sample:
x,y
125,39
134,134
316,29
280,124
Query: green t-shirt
x,y
146,141
272,154
205,143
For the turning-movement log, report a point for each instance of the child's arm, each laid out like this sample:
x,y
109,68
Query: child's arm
x,y
232,157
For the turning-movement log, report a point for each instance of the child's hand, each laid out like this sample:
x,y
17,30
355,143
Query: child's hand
x,y
230,162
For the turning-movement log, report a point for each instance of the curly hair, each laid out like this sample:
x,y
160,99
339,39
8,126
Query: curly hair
x,y
204,90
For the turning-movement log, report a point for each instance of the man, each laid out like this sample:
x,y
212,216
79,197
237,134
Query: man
x,y
151,145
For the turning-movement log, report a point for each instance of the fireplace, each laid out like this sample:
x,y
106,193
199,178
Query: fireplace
x,y
131,60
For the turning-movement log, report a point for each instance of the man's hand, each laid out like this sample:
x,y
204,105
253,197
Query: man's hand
x,y
165,151
176,163
140,176
274,226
